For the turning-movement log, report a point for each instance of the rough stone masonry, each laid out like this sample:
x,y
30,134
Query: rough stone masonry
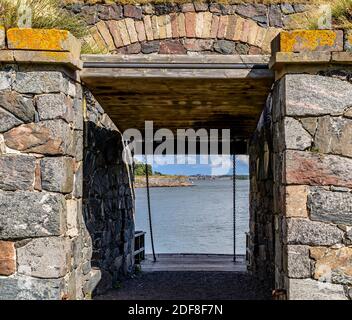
x,y
66,203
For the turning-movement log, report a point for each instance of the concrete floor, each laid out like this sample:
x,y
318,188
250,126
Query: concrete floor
x,y
190,277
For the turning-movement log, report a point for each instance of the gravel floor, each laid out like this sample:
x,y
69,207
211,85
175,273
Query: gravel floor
x,y
189,286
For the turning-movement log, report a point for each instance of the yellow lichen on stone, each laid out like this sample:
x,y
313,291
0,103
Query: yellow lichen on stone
x,y
311,40
43,39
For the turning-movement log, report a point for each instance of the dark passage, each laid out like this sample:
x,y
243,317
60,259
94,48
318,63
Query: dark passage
x,y
194,285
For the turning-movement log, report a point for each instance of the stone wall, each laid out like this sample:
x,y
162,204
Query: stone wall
x,y
192,27
108,196
44,245
306,142
66,200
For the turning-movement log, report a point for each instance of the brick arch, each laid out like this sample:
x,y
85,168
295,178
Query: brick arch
x,y
180,33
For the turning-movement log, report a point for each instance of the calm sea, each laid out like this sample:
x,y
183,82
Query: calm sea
x,y
197,219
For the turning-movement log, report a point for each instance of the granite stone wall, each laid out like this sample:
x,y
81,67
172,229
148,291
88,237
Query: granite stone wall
x,y
194,27
108,196
300,162
45,248
66,199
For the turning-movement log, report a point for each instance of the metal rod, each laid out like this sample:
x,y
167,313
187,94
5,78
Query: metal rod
x,y
131,65
234,205
149,210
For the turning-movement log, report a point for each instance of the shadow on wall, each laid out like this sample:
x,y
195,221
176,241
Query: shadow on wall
x,y
108,201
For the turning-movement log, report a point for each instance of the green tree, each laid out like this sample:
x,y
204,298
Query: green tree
x,y
139,169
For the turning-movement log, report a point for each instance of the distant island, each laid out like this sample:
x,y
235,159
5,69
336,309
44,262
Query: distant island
x,y
157,179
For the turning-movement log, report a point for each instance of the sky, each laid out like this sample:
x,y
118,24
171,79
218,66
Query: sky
x,y
218,165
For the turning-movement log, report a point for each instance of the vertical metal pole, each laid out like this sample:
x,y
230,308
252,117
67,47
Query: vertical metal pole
x,y
234,205
149,210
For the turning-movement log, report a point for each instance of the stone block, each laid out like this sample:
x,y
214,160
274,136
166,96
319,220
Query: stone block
x,y
78,181
312,95
223,24
296,137
296,201
214,26
115,33
2,37
132,11
225,46
190,24
43,40
25,214
307,289
131,30
54,106
5,80
308,40
308,168
171,47
148,28
28,288
51,137
181,24
333,136
139,26
298,262
198,44
150,47
348,40
329,206
92,282
20,106
7,258
333,265
187,7
8,120
17,172
306,232
57,174
155,27
123,32
73,207
106,35
40,82
47,257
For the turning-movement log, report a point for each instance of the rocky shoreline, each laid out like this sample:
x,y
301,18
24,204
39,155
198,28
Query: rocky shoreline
x,y
163,181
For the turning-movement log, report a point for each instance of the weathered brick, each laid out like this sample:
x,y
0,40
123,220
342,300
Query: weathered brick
x,y
123,32
57,174
253,31
237,35
214,26
181,23
308,168
207,20
7,258
104,32
98,41
296,201
162,27
329,206
174,25
148,28
131,30
155,27
37,214
190,24
139,26
115,33
17,172
222,26
231,26
2,37
168,26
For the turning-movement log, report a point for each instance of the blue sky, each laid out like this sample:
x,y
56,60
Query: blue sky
x,y
219,166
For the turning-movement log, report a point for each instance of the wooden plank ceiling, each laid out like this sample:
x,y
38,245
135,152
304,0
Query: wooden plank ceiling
x,y
180,95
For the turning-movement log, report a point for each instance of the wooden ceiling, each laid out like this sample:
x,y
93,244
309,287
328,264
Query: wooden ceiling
x,y
211,92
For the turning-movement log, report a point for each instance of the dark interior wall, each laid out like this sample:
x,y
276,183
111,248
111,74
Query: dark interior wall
x,y
108,197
